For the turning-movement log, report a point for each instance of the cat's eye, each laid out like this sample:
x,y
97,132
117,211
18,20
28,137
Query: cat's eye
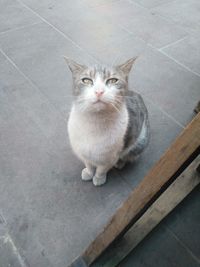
x,y
87,81
112,81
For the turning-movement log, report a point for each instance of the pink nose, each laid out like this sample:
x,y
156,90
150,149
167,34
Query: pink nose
x,y
99,93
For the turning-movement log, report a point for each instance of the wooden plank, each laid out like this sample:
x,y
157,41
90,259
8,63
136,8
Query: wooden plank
x,y
161,173
158,176
175,193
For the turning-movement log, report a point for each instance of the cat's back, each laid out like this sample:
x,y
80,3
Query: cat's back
x,y
138,117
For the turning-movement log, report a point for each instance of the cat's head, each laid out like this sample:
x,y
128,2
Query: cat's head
x,y
99,88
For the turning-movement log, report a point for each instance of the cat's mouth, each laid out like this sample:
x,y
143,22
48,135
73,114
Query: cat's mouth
x,y
98,101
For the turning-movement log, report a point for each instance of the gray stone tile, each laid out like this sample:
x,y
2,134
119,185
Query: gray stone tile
x,y
167,84
100,33
38,51
8,255
159,249
151,3
2,225
84,24
97,3
159,142
184,13
187,52
16,91
13,15
142,23
55,215
51,214
154,29
67,10
184,222
118,53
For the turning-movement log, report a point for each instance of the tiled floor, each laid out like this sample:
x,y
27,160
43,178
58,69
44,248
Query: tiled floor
x,y
47,214
174,242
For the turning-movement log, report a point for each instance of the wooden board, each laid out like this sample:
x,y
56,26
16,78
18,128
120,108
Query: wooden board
x,y
162,173
175,193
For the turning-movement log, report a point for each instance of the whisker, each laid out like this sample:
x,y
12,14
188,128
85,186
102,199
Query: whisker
x,y
115,107
119,96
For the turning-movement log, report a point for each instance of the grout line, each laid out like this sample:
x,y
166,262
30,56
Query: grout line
x,y
137,4
32,83
163,111
56,29
151,101
179,63
20,28
7,239
68,38
2,219
173,43
149,8
183,245
162,4
171,20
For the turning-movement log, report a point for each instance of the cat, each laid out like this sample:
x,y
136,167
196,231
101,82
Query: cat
x,y
108,124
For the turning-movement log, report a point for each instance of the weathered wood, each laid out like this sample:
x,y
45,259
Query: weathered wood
x,y
175,193
79,262
183,147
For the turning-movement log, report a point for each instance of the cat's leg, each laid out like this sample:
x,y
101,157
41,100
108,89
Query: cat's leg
x,y
88,172
120,164
101,175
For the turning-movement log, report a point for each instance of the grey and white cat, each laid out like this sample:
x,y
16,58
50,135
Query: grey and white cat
x,y
108,124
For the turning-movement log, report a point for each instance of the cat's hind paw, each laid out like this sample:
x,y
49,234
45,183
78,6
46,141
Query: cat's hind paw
x,y
120,164
85,175
97,181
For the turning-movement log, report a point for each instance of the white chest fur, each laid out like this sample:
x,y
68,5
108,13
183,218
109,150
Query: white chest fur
x,y
95,138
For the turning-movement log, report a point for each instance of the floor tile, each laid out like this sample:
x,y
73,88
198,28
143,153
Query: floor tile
x,y
184,13
130,48
8,255
3,229
41,179
51,215
159,249
142,23
99,35
179,52
184,222
16,91
13,16
86,26
38,52
165,83
159,142
53,10
97,3
151,3
154,29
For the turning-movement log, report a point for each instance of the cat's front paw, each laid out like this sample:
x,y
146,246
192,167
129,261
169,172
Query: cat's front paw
x,y
97,181
85,175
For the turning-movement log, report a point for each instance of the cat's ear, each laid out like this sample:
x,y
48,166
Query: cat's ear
x,y
74,66
126,66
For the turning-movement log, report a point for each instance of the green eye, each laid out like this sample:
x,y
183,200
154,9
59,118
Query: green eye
x,y
112,81
87,81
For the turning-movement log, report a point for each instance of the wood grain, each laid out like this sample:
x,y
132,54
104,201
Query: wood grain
x,y
174,194
178,153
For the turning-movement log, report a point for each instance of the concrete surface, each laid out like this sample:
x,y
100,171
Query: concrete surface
x,y
48,215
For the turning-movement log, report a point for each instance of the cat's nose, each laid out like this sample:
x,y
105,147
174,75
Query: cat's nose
x,y
99,93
